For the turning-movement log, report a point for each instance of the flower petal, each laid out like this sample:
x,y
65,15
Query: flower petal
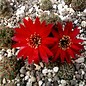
x,y
77,46
68,28
62,55
57,55
36,56
22,52
74,33
70,53
49,53
44,32
76,41
43,54
49,40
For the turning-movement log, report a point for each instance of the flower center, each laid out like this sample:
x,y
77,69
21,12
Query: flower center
x,y
65,42
34,41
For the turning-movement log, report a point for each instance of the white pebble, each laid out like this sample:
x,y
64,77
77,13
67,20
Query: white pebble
x,y
44,71
76,21
55,69
26,77
1,57
20,10
49,79
84,11
4,81
83,23
63,82
40,83
33,79
80,60
83,72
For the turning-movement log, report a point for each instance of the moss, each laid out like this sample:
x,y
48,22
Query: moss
x,y
46,5
5,37
78,5
51,18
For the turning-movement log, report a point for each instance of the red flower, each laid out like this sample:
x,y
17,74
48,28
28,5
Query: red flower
x,y
67,45
33,40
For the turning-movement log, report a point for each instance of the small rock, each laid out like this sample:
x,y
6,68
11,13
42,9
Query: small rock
x,y
48,84
81,83
33,79
21,75
83,23
22,70
55,69
26,77
40,83
77,65
80,60
37,67
44,71
4,81
29,84
77,76
85,76
63,82
73,82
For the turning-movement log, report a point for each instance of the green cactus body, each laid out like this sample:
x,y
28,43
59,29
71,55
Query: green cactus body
x,y
66,71
5,37
9,67
5,8
78,5
51,18
68,2
46,5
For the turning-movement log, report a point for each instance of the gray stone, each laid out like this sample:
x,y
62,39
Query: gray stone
x,y
85,76
55,83
29,84
22,70
73,82
77,66
48,84
80,60
77,76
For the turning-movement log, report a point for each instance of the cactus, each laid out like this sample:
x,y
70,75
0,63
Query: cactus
x,y
9,67
51,18
68,2
5,36
46,5
78,5
66,71
5,8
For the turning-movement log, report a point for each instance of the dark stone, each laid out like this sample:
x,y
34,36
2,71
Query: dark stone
x,y
82,66
55,83
77,66
48,84
85,76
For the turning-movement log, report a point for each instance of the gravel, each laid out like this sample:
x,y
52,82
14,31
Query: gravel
x,y
41,75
